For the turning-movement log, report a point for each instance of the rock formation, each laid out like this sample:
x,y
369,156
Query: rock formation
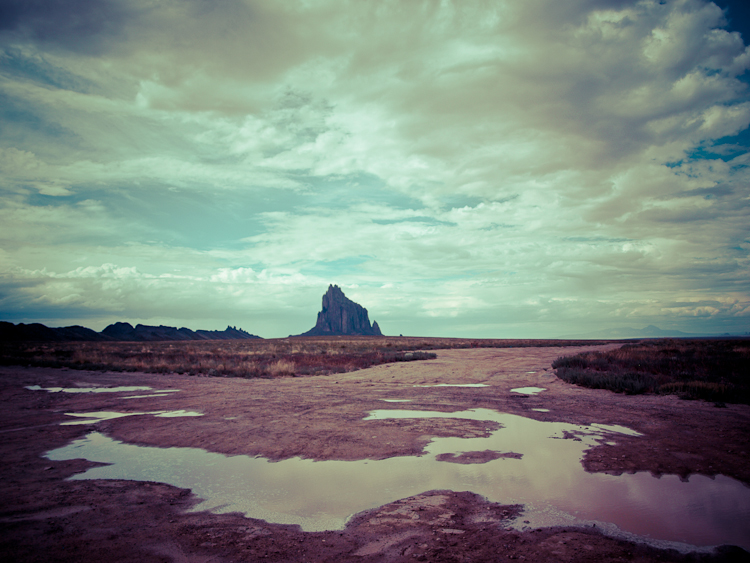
x,y
342,316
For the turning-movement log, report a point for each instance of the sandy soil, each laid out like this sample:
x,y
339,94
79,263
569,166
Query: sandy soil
x,y
45,518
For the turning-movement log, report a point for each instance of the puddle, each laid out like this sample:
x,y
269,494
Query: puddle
x,y
455,385
540,410
548,479
618,429
87,389
94,417
528,390
91,418
98,389
396,400
172,414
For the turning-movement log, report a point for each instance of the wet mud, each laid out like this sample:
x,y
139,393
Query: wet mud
x,y
476,457
44,517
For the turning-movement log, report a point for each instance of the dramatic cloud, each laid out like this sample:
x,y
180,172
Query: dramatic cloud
x,y
508,168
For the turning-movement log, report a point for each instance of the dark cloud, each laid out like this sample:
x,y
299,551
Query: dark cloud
x,y
83,26
14,62
23,125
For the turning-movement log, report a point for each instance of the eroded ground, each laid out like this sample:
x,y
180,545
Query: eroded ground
x,y
45,518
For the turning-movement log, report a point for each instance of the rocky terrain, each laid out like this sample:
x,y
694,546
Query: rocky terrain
x,y
342,316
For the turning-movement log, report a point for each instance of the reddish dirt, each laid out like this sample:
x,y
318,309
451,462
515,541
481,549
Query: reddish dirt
x,y
45,518
476,457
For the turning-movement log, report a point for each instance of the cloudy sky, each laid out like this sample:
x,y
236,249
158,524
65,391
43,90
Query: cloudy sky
x,y
506,168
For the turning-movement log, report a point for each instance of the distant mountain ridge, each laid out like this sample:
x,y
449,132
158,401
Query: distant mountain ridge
x,y
342,316
649,331
126,331
37,332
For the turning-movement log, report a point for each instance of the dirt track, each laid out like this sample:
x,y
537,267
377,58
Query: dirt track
x,y
44,518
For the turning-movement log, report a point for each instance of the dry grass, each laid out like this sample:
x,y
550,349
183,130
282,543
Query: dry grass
x,y
246,358
282,367
710,369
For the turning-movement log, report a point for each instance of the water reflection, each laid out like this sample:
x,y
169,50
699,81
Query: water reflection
x,y
548,479
528,390
129,389
94,417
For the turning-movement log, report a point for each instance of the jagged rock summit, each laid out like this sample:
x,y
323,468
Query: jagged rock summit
x,y
342,316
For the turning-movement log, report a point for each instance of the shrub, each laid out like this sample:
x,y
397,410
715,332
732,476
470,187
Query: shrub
x,y
705,390
708,369
631,383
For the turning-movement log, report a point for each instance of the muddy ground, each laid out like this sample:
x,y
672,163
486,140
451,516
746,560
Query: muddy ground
x,y
43,517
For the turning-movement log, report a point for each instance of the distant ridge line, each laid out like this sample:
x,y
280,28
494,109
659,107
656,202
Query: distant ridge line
x,y
649,331
117,332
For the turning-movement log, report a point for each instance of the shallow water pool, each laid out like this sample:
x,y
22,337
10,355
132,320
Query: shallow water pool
x,y
129,389
548,479
528,390
94,417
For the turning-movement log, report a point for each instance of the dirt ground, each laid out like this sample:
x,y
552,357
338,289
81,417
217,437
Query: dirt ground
x,y
43,517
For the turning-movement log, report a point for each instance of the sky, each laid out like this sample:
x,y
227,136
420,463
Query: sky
x,y
497,169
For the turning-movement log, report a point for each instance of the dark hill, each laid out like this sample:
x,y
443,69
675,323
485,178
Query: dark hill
x,y
37,332
115,332
342,316
146,333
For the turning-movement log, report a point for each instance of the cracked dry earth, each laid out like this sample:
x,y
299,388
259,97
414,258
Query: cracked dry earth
x,y
44,517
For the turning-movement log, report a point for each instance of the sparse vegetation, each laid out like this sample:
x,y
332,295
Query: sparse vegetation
x,y
245,358
709,369
228,358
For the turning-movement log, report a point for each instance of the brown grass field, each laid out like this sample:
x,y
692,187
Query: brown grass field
x,y
709,369
247,358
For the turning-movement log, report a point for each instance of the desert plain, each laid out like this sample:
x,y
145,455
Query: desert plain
x,y
46,516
